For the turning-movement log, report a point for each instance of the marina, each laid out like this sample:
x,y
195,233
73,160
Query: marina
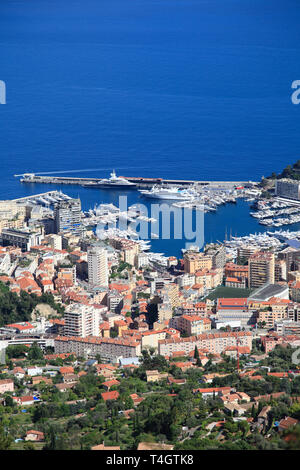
x,y
168,193
277,212
261,241
207,199
109,214
228,210
203,196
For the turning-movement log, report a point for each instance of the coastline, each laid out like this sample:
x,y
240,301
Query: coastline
x,y
229,219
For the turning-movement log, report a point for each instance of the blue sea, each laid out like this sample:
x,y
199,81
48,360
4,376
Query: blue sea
x,y
167,88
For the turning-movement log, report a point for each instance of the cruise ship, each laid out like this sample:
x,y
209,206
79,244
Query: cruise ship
x,y
170,194
113,182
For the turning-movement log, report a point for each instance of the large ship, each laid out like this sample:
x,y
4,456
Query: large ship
x,y
113,182
170,194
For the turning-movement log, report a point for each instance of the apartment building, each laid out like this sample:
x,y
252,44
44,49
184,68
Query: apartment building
x,y
236,282
287,327
280,270
164,309
192,325
149,339
291,256
209,278
274,310
12,215
287,188
97,267
67,274
245,251
236,270
22,238
214,343
67,215
261,269
269,318
295,291
115,301
217,253
81,321
194,261
129,249
55,241
109,349
171,291
198,308
236,275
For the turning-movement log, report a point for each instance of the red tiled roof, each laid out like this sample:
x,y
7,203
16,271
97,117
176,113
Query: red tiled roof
x,y
66,370
110,395
110,383
212,390
26,326
232,303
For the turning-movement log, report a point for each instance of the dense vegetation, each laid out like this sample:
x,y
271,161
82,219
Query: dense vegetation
x,y
18,308
290,171
79,418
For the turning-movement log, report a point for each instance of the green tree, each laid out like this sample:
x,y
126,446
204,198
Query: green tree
x,y
28,446
35,352
17,351
5,439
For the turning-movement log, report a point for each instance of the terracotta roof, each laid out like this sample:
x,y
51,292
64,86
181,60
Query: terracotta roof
x,y
288,422
66,370
212,390
110,383
25,326
110,395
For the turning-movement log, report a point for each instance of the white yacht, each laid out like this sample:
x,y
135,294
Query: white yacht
x,y
170,194
113,182
195,248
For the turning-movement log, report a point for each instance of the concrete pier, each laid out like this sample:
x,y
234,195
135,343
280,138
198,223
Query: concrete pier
x,y
139,181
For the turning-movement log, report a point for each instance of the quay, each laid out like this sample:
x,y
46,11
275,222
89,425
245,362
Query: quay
x,y
139,181
48,198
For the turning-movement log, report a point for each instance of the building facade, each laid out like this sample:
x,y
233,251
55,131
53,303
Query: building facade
x,y
261,269
97,267
81,321
67,216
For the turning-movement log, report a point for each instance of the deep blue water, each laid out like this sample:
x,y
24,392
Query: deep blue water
x,y
167,88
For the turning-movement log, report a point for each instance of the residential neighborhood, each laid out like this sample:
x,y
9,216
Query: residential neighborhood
x,y
100,352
